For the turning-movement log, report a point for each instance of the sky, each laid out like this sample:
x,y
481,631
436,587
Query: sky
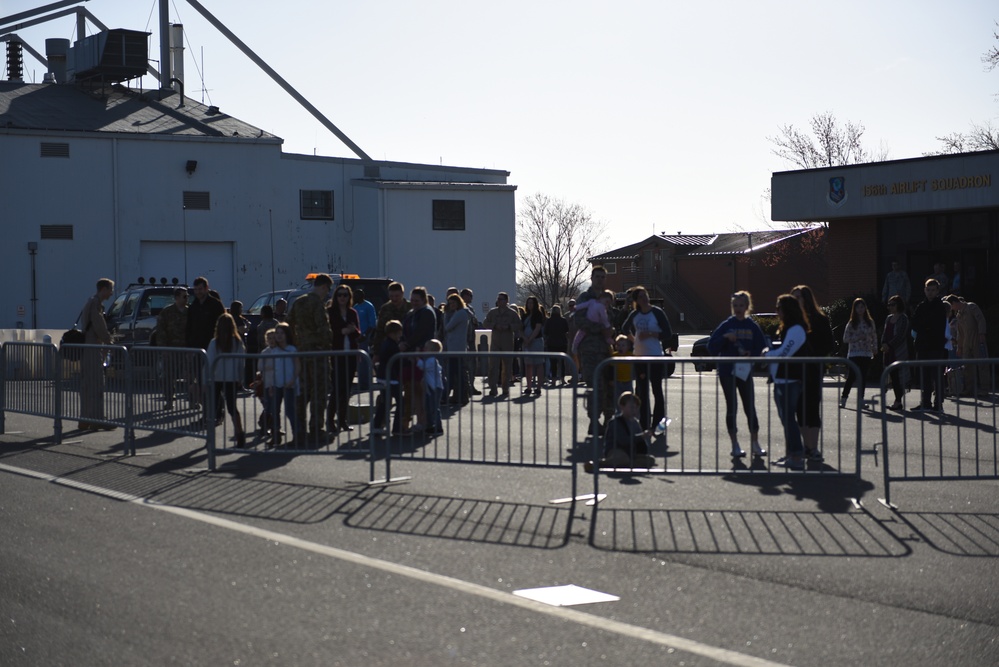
x,y
653,115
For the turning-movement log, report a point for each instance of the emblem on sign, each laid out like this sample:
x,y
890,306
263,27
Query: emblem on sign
x,y
837,191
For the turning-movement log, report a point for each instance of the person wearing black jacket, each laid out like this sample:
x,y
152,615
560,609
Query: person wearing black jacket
x,y
821,343
929,323
202,315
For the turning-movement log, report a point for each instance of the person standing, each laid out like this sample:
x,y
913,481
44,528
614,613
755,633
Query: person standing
x,y
533,323
368,320
896,282
394,309
311,326
556,334
929,323
788,378
227,373
202,315
971,330
821,343
739,336
503,320
940,275
456,340
346,327
419,327
895,347
470,364
861,339
649,328
171,331
593,349
95,329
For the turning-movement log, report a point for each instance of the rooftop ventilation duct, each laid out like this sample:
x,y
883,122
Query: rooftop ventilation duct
x,y
111,56
56,52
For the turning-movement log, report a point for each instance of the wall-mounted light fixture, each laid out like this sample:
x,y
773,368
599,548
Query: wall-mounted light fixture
x,y
192,165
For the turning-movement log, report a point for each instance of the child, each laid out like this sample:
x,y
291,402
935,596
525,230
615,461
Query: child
x,y
266,421
622,371
280,377
861,340
390,373
433,385
626,445
596,311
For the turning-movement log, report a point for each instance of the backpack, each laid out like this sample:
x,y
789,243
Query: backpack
x,y
74,337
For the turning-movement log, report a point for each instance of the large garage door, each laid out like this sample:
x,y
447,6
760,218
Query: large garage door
x,y
187,261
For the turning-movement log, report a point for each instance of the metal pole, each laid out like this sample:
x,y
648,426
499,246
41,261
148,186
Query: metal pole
x,y
33,250
278,79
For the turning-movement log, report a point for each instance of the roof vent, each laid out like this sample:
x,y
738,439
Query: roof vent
x,y
111,56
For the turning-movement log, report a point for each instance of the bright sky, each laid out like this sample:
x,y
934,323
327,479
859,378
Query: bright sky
x,y
654,115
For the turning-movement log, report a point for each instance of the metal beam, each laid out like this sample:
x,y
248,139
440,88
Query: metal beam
x,y
38,10
57,15
278,79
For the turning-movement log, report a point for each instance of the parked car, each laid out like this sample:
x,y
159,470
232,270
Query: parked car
x,y
375,291
132,316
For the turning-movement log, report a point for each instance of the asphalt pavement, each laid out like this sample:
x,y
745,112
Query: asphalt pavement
x,y
296,559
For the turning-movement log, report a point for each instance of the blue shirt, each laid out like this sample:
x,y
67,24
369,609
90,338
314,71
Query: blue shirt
x,y
366,315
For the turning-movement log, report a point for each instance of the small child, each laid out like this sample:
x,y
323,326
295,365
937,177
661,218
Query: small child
x,y
626,445
433,385
280,377
389,373
623,373
596,311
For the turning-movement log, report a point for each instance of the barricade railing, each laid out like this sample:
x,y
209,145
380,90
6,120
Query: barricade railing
x,y
300,402
504,425
165,391
29,381
946,426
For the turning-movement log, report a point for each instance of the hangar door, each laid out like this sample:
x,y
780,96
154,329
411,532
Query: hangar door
x,y
187,261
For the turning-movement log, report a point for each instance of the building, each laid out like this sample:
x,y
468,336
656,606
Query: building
x,y
693,276
101,180
919,212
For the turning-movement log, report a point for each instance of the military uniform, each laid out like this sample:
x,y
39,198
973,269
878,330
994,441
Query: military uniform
x,y
388,312
311,326
96,332
171,331
504,321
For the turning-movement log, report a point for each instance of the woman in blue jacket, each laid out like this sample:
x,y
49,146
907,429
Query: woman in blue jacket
x,y
739,336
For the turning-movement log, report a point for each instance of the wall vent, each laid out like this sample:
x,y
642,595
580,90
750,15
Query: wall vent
x,y
197,201
57,232
50,149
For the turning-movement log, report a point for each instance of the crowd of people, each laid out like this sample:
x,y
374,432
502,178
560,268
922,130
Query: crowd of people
x,y
314,389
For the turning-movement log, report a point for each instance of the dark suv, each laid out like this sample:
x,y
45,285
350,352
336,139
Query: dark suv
x,y
132,317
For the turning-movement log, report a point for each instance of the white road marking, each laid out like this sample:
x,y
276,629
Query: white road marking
x,y
566,614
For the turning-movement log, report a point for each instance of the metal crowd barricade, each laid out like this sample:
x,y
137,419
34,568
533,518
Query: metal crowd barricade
x,y
29,381
330,426
166,391
95,388
504,426
960,441
696,440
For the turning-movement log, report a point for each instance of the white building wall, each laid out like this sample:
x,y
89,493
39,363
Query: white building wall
x,y
124,194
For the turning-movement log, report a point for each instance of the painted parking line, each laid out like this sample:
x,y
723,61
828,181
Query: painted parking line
x,y
721,655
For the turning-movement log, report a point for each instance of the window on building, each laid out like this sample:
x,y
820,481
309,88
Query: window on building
x,y
611,267
449,214
197,201
53,149
317,204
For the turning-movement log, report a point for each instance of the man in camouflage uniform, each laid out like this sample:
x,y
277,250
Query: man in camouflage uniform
x,y
504,322
592,350
396,308
171,331
311,326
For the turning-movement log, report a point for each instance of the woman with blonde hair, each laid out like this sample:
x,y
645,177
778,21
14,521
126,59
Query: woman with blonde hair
x,y
861,339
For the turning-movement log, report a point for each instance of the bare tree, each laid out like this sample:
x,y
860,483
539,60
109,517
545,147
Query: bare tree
x,y
991,57
554,241
979,137
828,145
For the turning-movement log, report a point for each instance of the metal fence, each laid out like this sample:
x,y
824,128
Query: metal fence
x,y
101,387
320,413
946,428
